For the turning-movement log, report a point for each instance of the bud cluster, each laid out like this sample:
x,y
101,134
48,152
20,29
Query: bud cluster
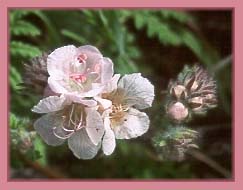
x,y
22,139
173,144
36,75
194,92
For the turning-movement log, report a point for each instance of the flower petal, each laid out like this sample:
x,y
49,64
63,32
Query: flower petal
x,y
109,141
58,62
112,84
57,86
88,48
81,145
44,127
50,104
139,92
134,124
93,55
49,92
106,70
94,125
75,97
94,92
104,102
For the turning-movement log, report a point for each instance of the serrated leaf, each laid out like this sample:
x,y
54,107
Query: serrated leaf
x,y
40,150
17,122
24,50
73,36
180,16
18,14
24,28
15,78
139,21
156,27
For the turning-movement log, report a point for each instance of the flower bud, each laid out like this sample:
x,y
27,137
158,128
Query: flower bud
x,y
178,92
175,142
196,103
177,111
35,75
194,92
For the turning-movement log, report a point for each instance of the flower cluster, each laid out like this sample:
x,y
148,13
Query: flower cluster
x,y
175,142
194,92
88,105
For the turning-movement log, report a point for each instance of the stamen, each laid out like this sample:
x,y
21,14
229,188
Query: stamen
x,y
82,58
58,136
80,123
80,78
71,116
67,130
118,110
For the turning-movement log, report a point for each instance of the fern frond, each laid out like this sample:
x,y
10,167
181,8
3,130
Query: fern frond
x,y
73,36
179,16
24,50
156,28
18,14
15,78
17,122
24,28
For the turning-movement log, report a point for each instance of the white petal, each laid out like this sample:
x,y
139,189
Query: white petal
x,y
75,97
58,62
81,145
112,84
94,126
93,55
50,104
109,141
104,102
93,92
57,86
89,48
87,102
44,127
49,92
134,124
139,92
106,70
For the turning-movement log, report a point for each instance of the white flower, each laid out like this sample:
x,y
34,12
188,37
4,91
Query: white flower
x,y
83,127
78,73
123,120
77,76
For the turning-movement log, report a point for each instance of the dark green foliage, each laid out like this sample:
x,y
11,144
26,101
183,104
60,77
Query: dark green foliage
x,y
116,33
24,141
174,28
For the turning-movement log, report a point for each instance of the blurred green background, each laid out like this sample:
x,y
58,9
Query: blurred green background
x,y
157,43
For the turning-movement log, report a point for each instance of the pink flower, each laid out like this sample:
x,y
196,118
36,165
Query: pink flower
x,y
77,77
78,73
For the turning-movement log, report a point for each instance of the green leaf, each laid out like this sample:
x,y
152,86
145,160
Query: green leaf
x,y
15,78
17,122
179,16
18,48
139,21
40,149
24,28
156,28
73,36
18,14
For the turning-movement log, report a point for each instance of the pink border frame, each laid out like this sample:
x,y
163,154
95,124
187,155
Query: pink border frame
x,y
123,184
